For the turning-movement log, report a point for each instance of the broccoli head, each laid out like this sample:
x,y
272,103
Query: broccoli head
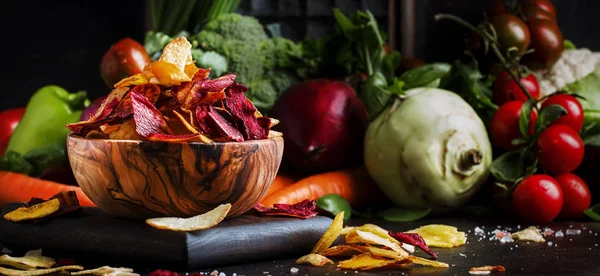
x,y
280,52
231,26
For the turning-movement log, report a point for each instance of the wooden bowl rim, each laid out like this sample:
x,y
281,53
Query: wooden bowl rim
x,y
74,136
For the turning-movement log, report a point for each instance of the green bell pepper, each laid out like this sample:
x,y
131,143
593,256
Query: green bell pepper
x,y
46,115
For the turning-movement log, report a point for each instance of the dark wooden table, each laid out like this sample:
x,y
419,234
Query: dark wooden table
x,y
568,255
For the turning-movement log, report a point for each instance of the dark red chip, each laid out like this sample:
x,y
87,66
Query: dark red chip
x,y
413,239
148,120
303,209
202,91
211,122
243,113
69,204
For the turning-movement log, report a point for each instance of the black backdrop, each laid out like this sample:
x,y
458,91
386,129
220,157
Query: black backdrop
x,y
62,42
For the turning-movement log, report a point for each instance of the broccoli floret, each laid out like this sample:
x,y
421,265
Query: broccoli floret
x,y
231,26
244,60
280,52
262,94
281,80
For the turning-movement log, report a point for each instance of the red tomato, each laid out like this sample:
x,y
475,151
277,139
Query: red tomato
x,y
559,149
511,32
125,58
538,198
548,42
506,88
574,116
9,119
504,126
544,5
576,196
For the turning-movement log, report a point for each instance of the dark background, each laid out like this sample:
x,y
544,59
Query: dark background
x,y
62,42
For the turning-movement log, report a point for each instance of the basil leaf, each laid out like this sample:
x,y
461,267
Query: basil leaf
x,y
397,88
525,117
548,115
593,212
334,204
424,75
398,214
374,95
390,63
508,167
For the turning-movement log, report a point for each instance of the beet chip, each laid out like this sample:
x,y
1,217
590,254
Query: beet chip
x,y
116,108
215,125
413,239
151,124
303,209
242,110
202,91
68,204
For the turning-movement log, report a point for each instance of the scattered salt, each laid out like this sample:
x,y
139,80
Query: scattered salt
x,y
559,234
506,238
519,226
294,270
595,244
573,231
548,232
222,274
465,255
234,274
478,230
549,243
516,246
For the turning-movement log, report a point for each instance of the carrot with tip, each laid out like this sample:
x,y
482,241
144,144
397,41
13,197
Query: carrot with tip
x,y
17,187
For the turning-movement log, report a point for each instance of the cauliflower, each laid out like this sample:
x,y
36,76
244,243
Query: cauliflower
x,y
572,66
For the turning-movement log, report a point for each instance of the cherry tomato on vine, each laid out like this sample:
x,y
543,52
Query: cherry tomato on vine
x,y
532,12
574,116
576,196
504,125
547,41
506,88
511,32
544,5
559,149
538,198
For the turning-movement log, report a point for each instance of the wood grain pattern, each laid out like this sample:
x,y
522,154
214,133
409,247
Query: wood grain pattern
x,y
141,179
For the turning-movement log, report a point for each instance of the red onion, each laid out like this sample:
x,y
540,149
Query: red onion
x,y
323,124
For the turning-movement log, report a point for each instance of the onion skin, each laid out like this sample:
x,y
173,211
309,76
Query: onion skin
x,y
323,123
428,150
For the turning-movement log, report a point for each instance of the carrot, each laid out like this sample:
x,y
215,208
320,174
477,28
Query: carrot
x,y
355,185
16,187
280,182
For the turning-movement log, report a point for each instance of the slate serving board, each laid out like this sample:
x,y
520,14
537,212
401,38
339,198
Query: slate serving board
x,y
94,236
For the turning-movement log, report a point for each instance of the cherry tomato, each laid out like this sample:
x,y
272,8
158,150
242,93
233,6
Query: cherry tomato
x,y
574,116
547,41
125,58
576,196
532,12
497,8
544,5
538,198
506,88
9,119
511,32
559,149
504,125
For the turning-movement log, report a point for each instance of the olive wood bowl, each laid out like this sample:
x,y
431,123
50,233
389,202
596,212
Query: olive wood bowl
x,y
145,179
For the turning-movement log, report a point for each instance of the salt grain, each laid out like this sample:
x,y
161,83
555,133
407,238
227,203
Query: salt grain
x,y
559,234
478,230
222,274
506,238
549,243
294,270
462,254
573,231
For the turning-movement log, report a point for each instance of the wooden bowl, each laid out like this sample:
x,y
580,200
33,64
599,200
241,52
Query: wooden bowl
x,y
143,179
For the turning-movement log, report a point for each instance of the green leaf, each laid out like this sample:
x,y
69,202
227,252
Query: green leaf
x,y
525,117
374,95
569,45
398,214
593,212
508,167
548,115
50,156
390,63
424,75
14,162
397,87
334,204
